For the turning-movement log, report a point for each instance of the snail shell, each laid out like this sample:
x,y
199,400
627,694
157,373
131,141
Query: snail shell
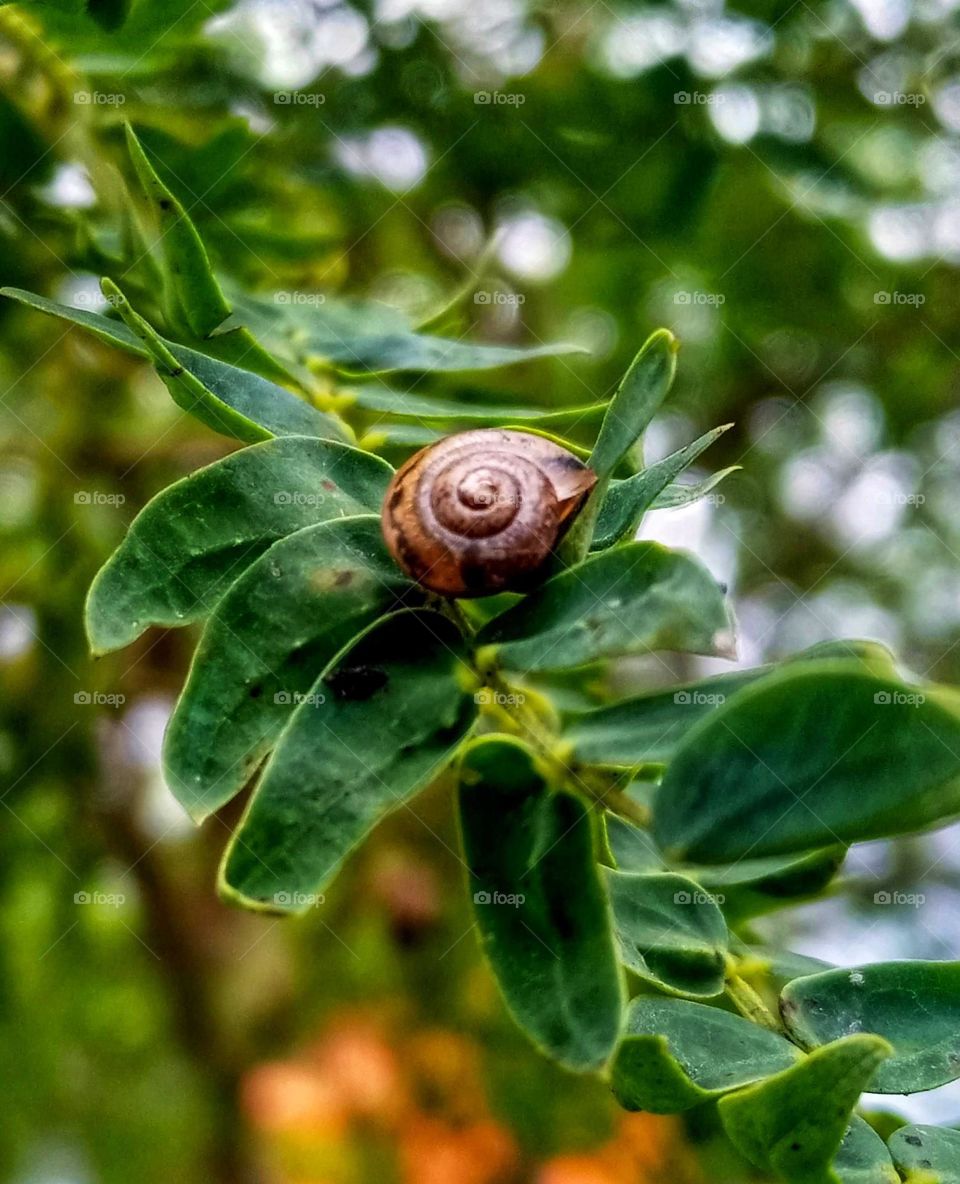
x,y
480,512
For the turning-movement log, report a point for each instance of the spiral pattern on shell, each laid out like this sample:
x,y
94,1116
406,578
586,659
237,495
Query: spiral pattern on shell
x,y
480,512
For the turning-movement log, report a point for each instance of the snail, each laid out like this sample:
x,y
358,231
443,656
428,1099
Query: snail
x,y
480,512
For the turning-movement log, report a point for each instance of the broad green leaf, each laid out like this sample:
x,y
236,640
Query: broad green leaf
x,y
627,501
863,1157
190,542
637,399
252,399
915,1006
670,932
633,600
358,338
926,1154
265,643
632,849
818,753
794,1122
676,1054
192,289
650,727
674,497
235,402
376,727
780,965
539,903
752,887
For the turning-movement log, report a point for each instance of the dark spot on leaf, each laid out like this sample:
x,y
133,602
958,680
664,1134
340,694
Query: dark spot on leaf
x,y
926,1163
342,578
328,484
356,683
176,373
166,203
913,1140
255,691
795,1146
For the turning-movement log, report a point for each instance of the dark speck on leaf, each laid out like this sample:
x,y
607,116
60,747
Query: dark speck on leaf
x,y
356,682
176,373
255,691
342,578
794,1146
165,203
328,484
913,1140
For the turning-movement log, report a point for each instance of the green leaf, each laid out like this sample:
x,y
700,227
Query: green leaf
x,y
637,399
190,542
635,599
674,497
267,640
627,501
632,849
376,727
676,1054
863,1157
669,931
793,1123
539,904
819,753
192,291
752,887
648,729
360,338
915,1006
430,409
926,1154
232,401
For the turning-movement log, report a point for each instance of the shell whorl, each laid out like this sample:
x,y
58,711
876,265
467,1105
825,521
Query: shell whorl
x,y
480,512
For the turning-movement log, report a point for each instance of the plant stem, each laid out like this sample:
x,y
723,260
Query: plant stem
x,y
749,1004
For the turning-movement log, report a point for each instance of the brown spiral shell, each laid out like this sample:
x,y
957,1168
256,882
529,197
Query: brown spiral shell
x,y
480,512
